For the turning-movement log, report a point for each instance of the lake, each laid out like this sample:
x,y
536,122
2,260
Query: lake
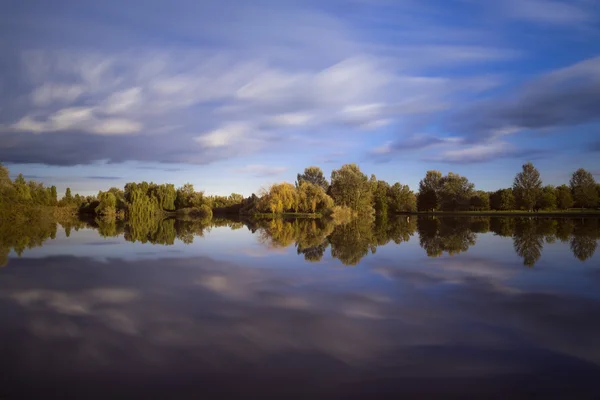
x,y
414,307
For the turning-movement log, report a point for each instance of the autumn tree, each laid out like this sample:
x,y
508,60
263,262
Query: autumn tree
x,y
312,198
527,187
583,187
315,176
350,188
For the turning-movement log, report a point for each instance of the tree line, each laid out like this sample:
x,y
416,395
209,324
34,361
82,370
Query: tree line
x,y
348,193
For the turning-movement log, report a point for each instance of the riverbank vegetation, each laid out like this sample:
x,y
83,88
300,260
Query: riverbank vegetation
x,y
349,193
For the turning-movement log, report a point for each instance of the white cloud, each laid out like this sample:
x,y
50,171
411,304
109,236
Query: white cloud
x,y
224,136
77,118
50,93
123,101
477,153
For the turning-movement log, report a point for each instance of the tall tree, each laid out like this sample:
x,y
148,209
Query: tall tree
x,y
429,191
527,187
380,197
583,187
455,192
351,188
315,176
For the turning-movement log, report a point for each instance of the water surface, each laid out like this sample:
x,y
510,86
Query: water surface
x,y
426,307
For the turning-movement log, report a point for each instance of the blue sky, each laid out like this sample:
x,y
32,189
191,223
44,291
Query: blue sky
x,y
234,95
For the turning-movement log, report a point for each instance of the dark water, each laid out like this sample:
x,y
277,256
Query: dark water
x,y
425,308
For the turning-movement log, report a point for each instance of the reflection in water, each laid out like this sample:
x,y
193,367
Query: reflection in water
x,y
184,328
349,242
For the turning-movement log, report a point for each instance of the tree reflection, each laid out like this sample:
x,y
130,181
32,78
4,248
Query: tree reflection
x,y
447,235
528,241
586,233
349,242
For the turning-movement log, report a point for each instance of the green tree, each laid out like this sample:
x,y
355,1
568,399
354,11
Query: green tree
x,y
564,199
351,188
312,198
380,197
502,200
547,199
401,199
4,176
23,190
583,187
455,192
315,176
527,187
108,204
429,191
480,201
68,197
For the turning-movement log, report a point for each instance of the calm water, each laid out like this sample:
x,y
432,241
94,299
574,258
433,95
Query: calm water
x,y
464,307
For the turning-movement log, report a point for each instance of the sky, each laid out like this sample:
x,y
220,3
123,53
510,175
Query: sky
x,y
234,95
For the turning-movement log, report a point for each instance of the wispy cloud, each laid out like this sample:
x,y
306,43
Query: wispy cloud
x,y
107,178
260,170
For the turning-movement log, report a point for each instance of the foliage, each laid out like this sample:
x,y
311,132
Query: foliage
x,y
502,200
480,201
401,199
429,191
527,187
312,198
351,188
547,199
315,176
564,199
583,187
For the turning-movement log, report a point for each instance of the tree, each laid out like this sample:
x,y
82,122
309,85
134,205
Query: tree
x,y
455,192
583,187
564,199
527,187
502,200
68,198
312,198
401,199
429,188
315,176
380,197
547,199
480,201
351,188
53,195
282,197
108,204
22,189
4,176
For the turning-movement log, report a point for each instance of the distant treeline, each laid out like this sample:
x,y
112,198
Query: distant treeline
x,y
349,192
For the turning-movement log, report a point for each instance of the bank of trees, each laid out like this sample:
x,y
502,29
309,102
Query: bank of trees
x,y
348,193
453,192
